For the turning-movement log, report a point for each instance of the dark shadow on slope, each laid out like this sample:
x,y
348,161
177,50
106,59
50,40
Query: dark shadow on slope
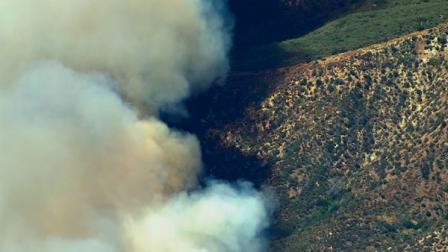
x,y
265,21
229,164
217,109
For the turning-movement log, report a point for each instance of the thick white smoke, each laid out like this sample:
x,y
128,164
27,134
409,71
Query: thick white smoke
x,y
80,168
178,46
219,219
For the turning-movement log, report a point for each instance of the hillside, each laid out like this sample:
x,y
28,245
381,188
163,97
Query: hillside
x,y
264,21
368,22
355,146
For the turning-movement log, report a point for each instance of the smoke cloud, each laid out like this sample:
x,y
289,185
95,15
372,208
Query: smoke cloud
x,y
178,46
219,219
83,167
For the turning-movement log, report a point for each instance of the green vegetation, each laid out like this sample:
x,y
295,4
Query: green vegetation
x,y
352,143
375,21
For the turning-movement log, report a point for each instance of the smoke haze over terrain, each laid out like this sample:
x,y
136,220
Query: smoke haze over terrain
x,y
80,168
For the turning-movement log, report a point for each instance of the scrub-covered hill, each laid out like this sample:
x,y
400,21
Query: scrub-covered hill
x,y
367,22
357,147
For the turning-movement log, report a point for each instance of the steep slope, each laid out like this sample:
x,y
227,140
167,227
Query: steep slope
x,y
265,21
372,22
357,145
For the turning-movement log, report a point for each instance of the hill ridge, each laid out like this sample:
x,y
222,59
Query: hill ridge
x,y
358,147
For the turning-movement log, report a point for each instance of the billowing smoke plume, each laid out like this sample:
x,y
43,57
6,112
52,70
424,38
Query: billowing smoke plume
x,y
219,219
177,46
80,168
